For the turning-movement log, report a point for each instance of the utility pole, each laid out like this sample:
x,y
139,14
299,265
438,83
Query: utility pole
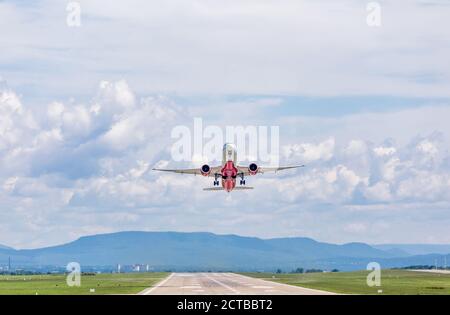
x,y
9,263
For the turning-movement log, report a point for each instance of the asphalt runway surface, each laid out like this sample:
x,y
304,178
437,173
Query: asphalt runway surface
x,y
223,284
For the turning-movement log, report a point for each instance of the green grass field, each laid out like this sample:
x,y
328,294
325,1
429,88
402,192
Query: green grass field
x,y
123,283
392,282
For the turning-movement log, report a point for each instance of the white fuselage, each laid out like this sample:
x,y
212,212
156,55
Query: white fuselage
x,y
229,153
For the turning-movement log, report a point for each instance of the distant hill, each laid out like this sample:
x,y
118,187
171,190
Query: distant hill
x,y
207,251
416,249
4,247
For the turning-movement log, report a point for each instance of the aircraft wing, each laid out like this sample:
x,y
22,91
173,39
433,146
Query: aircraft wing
x,y
262,170
192,171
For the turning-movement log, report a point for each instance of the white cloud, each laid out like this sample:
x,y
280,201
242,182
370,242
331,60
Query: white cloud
x,y
10,183
356,147
309,152
73,168
379,192
382,151
117,93
16,122
270,47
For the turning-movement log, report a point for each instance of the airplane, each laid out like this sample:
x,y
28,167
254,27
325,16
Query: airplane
x,y
228,171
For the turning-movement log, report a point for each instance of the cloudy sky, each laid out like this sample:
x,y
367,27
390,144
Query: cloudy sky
x,y
86,112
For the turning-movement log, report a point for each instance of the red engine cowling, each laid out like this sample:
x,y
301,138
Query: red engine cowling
x,y
253,169
205,170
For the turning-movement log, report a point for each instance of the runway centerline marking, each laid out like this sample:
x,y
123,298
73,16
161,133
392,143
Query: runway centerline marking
x,y
222,284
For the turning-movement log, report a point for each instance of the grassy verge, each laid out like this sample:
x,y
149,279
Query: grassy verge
x,y
123,283
392,282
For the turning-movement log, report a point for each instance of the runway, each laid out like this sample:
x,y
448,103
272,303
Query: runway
x,y
432,271
223,284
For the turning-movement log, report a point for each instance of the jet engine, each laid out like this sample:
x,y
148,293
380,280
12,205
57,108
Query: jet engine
x,y
205,170
253,169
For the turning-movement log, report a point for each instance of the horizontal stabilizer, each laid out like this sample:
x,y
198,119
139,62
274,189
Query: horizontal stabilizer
x,y
213,188
221,188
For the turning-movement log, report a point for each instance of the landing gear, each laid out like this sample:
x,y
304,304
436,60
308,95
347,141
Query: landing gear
x,y
216,182
242,182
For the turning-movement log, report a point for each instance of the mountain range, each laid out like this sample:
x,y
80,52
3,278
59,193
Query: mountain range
x,y
207,251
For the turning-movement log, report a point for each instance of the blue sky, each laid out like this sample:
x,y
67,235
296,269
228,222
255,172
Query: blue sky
x,y
85,112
